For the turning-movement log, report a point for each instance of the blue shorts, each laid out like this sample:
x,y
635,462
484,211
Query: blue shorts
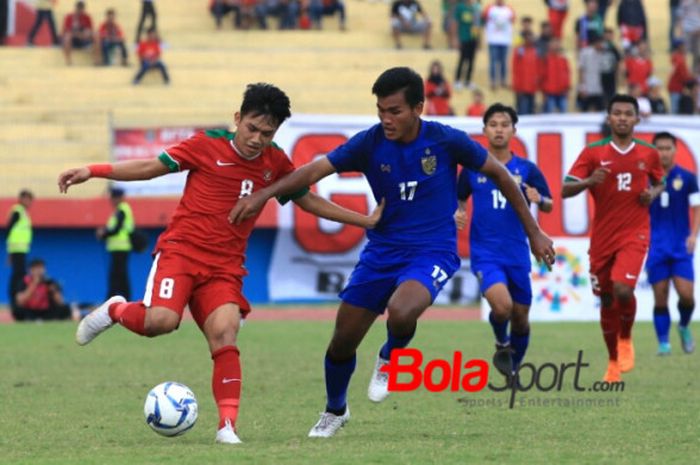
x,y
664,266
382,269
515,278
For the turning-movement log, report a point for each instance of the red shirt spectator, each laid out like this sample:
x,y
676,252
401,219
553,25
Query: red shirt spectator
x,y
526,65
639,69
111,31
476,109
680,72
77,22
149,50
556,76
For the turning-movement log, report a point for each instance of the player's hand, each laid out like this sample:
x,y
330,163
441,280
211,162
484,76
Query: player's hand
x,y
532,194
460,217
100,233
543,248
646,197
246,207
598,176
72,176
690,244
376,215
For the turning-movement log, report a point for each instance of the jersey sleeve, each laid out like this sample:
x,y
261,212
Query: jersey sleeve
x,y
464,186
536,179
184,156
353,155
656,171
693,191
284,166
583,166
466,151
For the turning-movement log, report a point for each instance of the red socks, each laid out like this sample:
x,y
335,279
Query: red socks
x,y
226,383
627,311
610,323
131,315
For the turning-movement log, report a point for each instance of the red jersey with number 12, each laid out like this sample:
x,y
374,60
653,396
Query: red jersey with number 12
x,y
619,215
218,176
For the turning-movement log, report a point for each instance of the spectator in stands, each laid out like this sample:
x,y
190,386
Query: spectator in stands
x,y
686,104
320,8
638,66
408,17
557,11
477,107
591,23
437,92
526,26
287,12
526,75
220,8
590,65
44,12
19,239
39,297
680,74
542,42
556,79
611,67
498,20
635,90
690,27
658,105
149,54
4,13
78,33
674,13
632,21
117,237
148,10
111,37
449,25
467,13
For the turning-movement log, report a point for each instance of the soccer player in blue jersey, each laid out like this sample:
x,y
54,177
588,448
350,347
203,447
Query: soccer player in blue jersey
x,y
412,252
495,227
672,245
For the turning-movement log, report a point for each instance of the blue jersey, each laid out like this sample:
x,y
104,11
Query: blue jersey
x,y
417,179
496,234
670,216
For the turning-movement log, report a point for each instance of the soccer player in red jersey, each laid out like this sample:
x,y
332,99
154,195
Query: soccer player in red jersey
x,y
198,260
624,175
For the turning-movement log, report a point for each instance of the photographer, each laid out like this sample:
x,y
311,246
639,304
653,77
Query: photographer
x,y
39,297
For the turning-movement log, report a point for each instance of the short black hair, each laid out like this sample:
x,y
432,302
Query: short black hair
x,y
664,135
623,98
116,192
37,262
500,108
265,99
400,79
26,193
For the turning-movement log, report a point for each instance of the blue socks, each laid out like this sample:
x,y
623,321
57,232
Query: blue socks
x,y
337,380
500,330
662,324
685,313
519,343
393,342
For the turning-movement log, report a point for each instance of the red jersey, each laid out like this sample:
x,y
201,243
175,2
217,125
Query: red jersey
x,y
76,22
619,215
638,71
680,73
149,50
218,176
110,31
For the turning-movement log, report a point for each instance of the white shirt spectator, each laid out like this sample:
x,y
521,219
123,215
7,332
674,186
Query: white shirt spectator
x,y
498,23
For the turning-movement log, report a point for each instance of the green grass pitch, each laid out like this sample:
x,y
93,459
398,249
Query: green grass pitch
x,y
64,404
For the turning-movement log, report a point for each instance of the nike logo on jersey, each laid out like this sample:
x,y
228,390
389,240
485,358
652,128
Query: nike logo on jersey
x,y
222,163
229,380
605,163
630,276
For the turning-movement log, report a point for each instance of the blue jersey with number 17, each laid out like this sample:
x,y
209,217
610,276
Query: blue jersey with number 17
x,y
417,179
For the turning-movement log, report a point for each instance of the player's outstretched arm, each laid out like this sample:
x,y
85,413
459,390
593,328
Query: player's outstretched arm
x,y
293,182
319,206
541,245
573,186
131,170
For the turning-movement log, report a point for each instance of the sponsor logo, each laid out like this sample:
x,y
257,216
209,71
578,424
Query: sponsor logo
x,y
223,163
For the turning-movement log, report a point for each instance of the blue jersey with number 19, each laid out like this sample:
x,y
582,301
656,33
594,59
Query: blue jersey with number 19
x,y
417,179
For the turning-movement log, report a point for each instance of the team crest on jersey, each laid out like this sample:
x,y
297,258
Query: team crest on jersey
x,y
385,168
642,165
481,179
429,163
677,183
267,175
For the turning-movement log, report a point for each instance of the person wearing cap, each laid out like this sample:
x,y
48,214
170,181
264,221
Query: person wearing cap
x,y
19,239
118,243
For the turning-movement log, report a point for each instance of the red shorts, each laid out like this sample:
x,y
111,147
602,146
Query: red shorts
x,y
622,266
176,281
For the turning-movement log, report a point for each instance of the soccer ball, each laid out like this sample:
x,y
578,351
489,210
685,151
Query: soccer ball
x,y
170,409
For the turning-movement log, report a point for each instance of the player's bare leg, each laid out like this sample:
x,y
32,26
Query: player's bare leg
x,y
662,317
221,330
627,306
686,305
501,304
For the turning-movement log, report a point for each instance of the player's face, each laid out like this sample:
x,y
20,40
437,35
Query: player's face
x,y
667,152
400,121
622,119
499,130
253,133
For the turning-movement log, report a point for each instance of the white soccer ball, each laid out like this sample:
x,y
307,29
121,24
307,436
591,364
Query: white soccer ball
x,y
170,409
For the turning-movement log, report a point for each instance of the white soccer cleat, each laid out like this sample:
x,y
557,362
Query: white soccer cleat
x,y
227,435
329,424
378,389
96,322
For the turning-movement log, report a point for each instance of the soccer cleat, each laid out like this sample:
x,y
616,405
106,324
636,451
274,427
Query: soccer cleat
x,y
329,424
378,389
664,349
227,435
503,359
687,342
612,375
625,354
96,322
